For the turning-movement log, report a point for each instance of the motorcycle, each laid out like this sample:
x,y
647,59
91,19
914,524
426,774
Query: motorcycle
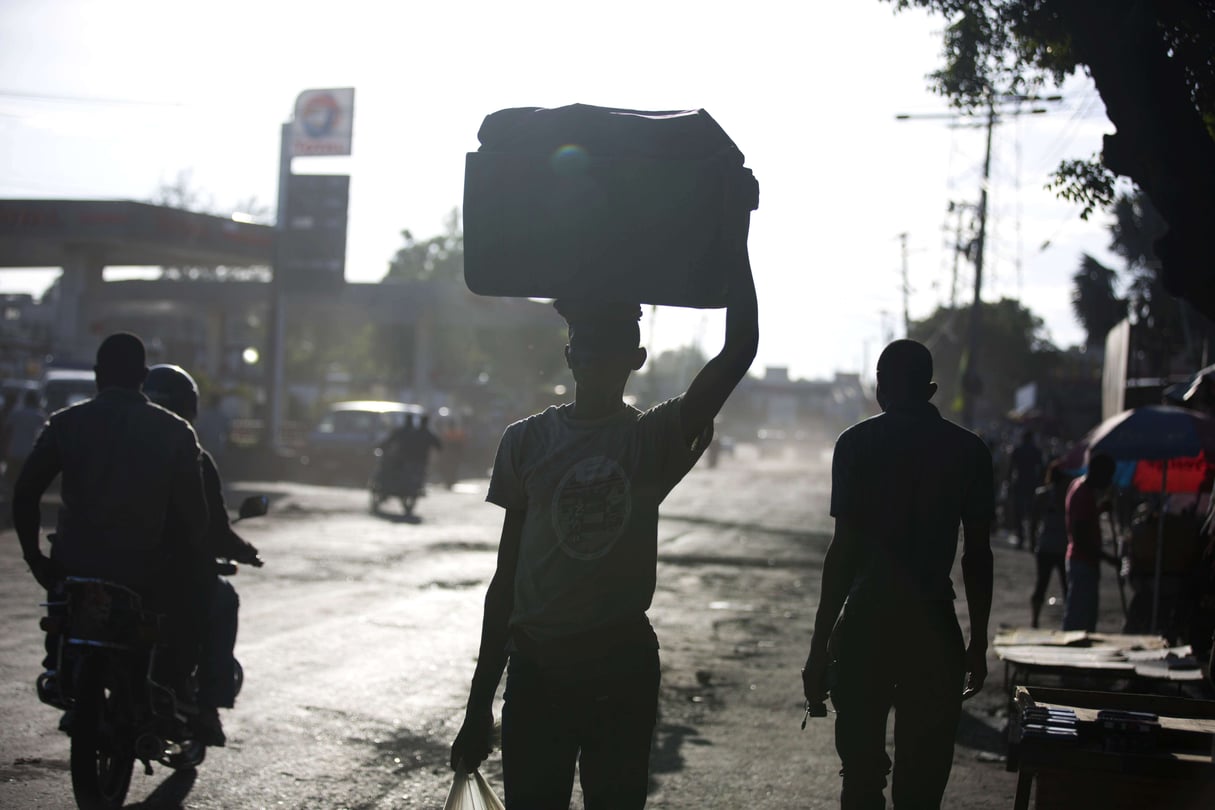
x,y
107,676
393,477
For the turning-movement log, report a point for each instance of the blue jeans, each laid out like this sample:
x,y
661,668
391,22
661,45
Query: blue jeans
x,y
598,713
1080,607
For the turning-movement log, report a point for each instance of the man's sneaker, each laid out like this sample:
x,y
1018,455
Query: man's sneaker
x,y
207,727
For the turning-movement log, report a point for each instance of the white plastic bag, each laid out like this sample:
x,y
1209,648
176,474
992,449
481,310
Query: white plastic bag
x,y
470,791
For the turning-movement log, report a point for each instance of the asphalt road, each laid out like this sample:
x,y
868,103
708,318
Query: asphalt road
x,y
358,639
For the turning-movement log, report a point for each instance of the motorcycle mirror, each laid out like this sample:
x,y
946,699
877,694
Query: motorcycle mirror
x,y
254,506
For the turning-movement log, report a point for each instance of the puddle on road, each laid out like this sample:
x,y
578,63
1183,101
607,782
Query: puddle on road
x,y
462,546
23,769
454,585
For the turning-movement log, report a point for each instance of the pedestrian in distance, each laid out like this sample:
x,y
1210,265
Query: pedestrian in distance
x,y
1085,553
21,428
901,484
581,484
1048,536
1025,471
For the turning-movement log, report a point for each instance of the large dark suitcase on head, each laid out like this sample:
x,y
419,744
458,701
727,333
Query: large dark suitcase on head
x,y
606,204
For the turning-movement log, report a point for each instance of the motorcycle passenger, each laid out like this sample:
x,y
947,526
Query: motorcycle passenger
x,y
127,468
173,388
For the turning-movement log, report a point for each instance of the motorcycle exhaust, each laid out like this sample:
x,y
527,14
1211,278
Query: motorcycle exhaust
x,y
149,746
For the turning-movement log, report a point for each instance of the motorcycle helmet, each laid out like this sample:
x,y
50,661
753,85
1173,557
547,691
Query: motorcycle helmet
x,y
169,386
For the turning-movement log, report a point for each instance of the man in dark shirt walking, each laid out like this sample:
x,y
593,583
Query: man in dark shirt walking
x,y
902,483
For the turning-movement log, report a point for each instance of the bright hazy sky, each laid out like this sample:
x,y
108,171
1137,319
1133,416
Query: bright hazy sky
x,y
112,99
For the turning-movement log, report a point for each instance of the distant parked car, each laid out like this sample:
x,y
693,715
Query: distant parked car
x,y
12,392
340,448
62,387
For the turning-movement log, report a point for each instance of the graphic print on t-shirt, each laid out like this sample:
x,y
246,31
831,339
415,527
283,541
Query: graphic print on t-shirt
x,y
591,507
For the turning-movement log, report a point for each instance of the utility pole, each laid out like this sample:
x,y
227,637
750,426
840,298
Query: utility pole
x,y
276,329
957,252
971,381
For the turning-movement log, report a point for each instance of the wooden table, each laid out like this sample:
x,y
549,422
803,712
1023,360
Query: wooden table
x,y
1177,773
1081,658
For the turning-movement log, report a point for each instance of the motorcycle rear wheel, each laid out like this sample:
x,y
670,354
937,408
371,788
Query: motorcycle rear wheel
x,y
103,754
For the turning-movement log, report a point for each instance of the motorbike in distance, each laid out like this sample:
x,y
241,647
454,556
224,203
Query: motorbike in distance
x,y
107,677
395,477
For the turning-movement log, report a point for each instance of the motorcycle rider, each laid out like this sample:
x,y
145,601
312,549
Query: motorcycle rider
x,y
173,388
128,468
407,452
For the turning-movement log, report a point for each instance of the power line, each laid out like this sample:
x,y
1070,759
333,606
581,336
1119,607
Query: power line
x,y
65,99
1071,128
997,108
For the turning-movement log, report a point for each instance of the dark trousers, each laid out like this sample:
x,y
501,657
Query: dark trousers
x,y
216,663
598,713
910,659
1048,563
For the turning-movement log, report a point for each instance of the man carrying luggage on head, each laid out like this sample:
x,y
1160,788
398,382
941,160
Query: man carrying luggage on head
x,y
581,484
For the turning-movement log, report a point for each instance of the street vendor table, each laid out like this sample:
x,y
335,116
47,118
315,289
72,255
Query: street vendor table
x,y
1095,659
1097,767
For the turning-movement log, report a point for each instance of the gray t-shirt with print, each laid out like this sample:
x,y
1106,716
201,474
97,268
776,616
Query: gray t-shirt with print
x,y
591,489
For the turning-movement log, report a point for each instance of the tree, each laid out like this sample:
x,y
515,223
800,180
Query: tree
x,y
522,362
440,258
1014,351
182,193
1153,64
1095,303
668,374
1165,325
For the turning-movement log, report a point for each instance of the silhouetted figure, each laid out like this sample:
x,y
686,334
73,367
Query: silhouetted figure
x,y
581,484
394,443
1084,550
1180,573
21,428
406,455
420,444
215,625
127,467
901,483
1025,471
1048,536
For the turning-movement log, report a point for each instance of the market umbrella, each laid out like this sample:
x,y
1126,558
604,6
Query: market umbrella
x,y
1156,433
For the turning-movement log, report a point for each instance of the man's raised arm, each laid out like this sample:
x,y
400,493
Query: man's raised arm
x,y
713,385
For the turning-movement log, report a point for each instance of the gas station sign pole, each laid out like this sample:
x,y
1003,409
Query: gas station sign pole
x,y
310,225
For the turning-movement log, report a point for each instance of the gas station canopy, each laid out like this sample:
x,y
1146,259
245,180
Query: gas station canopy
x,y
121,233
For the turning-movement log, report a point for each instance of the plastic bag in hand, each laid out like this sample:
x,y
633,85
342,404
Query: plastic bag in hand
x,y
470,791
